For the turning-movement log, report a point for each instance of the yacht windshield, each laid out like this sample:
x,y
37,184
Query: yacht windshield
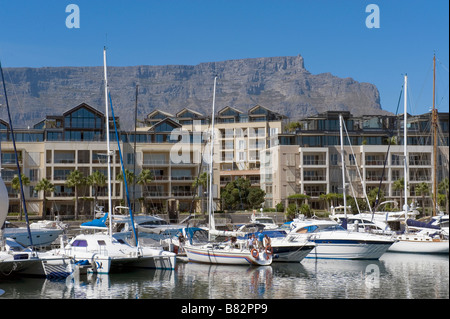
x,y
331,228
265,220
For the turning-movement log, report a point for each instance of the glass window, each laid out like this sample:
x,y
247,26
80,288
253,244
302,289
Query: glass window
x,y
79,243
54,136
164,127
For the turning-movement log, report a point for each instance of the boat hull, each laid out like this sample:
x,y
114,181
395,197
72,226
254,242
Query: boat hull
x,y
420,246
211,255
105,254
48,266
347,245
41,237
291,253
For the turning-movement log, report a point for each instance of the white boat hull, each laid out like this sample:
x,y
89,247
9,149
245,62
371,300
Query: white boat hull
x,y
347,245
42,265
417,245
40,237
106,254
211,255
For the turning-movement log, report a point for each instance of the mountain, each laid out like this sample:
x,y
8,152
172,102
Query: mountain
x,y
281,84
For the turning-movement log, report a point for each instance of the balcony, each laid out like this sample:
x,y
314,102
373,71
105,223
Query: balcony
x,y
155,162
315,178
182,178
155,194
314,162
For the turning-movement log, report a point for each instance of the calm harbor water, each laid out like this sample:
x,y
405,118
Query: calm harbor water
x,y
399,276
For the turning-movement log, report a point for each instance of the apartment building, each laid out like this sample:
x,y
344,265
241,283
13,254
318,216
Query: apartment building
x,y
310,159
254,145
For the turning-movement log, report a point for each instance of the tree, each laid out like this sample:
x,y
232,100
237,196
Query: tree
x,y
144,178
373,194
235,194
291,211
15,184
279,207
443,189
75,180
255,197
293,126
298,198
423,189
399,185
96,180
305,210
202,182
46,186
329,199
129,175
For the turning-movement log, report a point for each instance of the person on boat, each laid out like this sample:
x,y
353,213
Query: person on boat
x,y
267,241
250,242
260,240
234,242
254,242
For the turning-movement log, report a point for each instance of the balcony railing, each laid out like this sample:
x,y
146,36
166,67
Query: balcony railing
x,y
419,162
315,178
377,162
182,178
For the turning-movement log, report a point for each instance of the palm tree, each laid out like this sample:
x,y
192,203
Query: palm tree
x,y
423,189
144,178
97,179
329,198
443,189
46,186
399,185
129,175
202,181
299,197
15,184
75,180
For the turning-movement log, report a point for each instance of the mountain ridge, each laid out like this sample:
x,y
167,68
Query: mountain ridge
x,y
282,84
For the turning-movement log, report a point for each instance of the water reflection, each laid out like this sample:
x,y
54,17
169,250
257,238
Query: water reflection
x,y
393,276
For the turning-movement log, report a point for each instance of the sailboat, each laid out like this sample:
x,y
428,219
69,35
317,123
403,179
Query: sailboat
x,y
102,251
233,252
410,242
15,258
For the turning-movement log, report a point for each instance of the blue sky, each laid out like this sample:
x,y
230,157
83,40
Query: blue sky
x,y
331,36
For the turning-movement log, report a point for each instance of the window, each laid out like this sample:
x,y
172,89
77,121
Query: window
x,y
34,175
164,127
333,159
79,243
83,157
351,159
83,118
54,136
130,158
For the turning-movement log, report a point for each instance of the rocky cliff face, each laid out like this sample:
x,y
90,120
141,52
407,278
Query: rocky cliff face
x,y
281,84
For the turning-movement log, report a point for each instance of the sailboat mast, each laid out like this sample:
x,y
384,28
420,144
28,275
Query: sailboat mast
x,y
211,195
405,150
108,155
343,164
434,125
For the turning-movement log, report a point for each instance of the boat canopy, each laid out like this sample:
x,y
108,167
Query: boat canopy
x,y
96,223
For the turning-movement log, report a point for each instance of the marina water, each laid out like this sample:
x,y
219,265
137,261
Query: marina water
x,y
393,276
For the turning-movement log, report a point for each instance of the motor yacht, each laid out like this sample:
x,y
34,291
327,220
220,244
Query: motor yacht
x,y
334,242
